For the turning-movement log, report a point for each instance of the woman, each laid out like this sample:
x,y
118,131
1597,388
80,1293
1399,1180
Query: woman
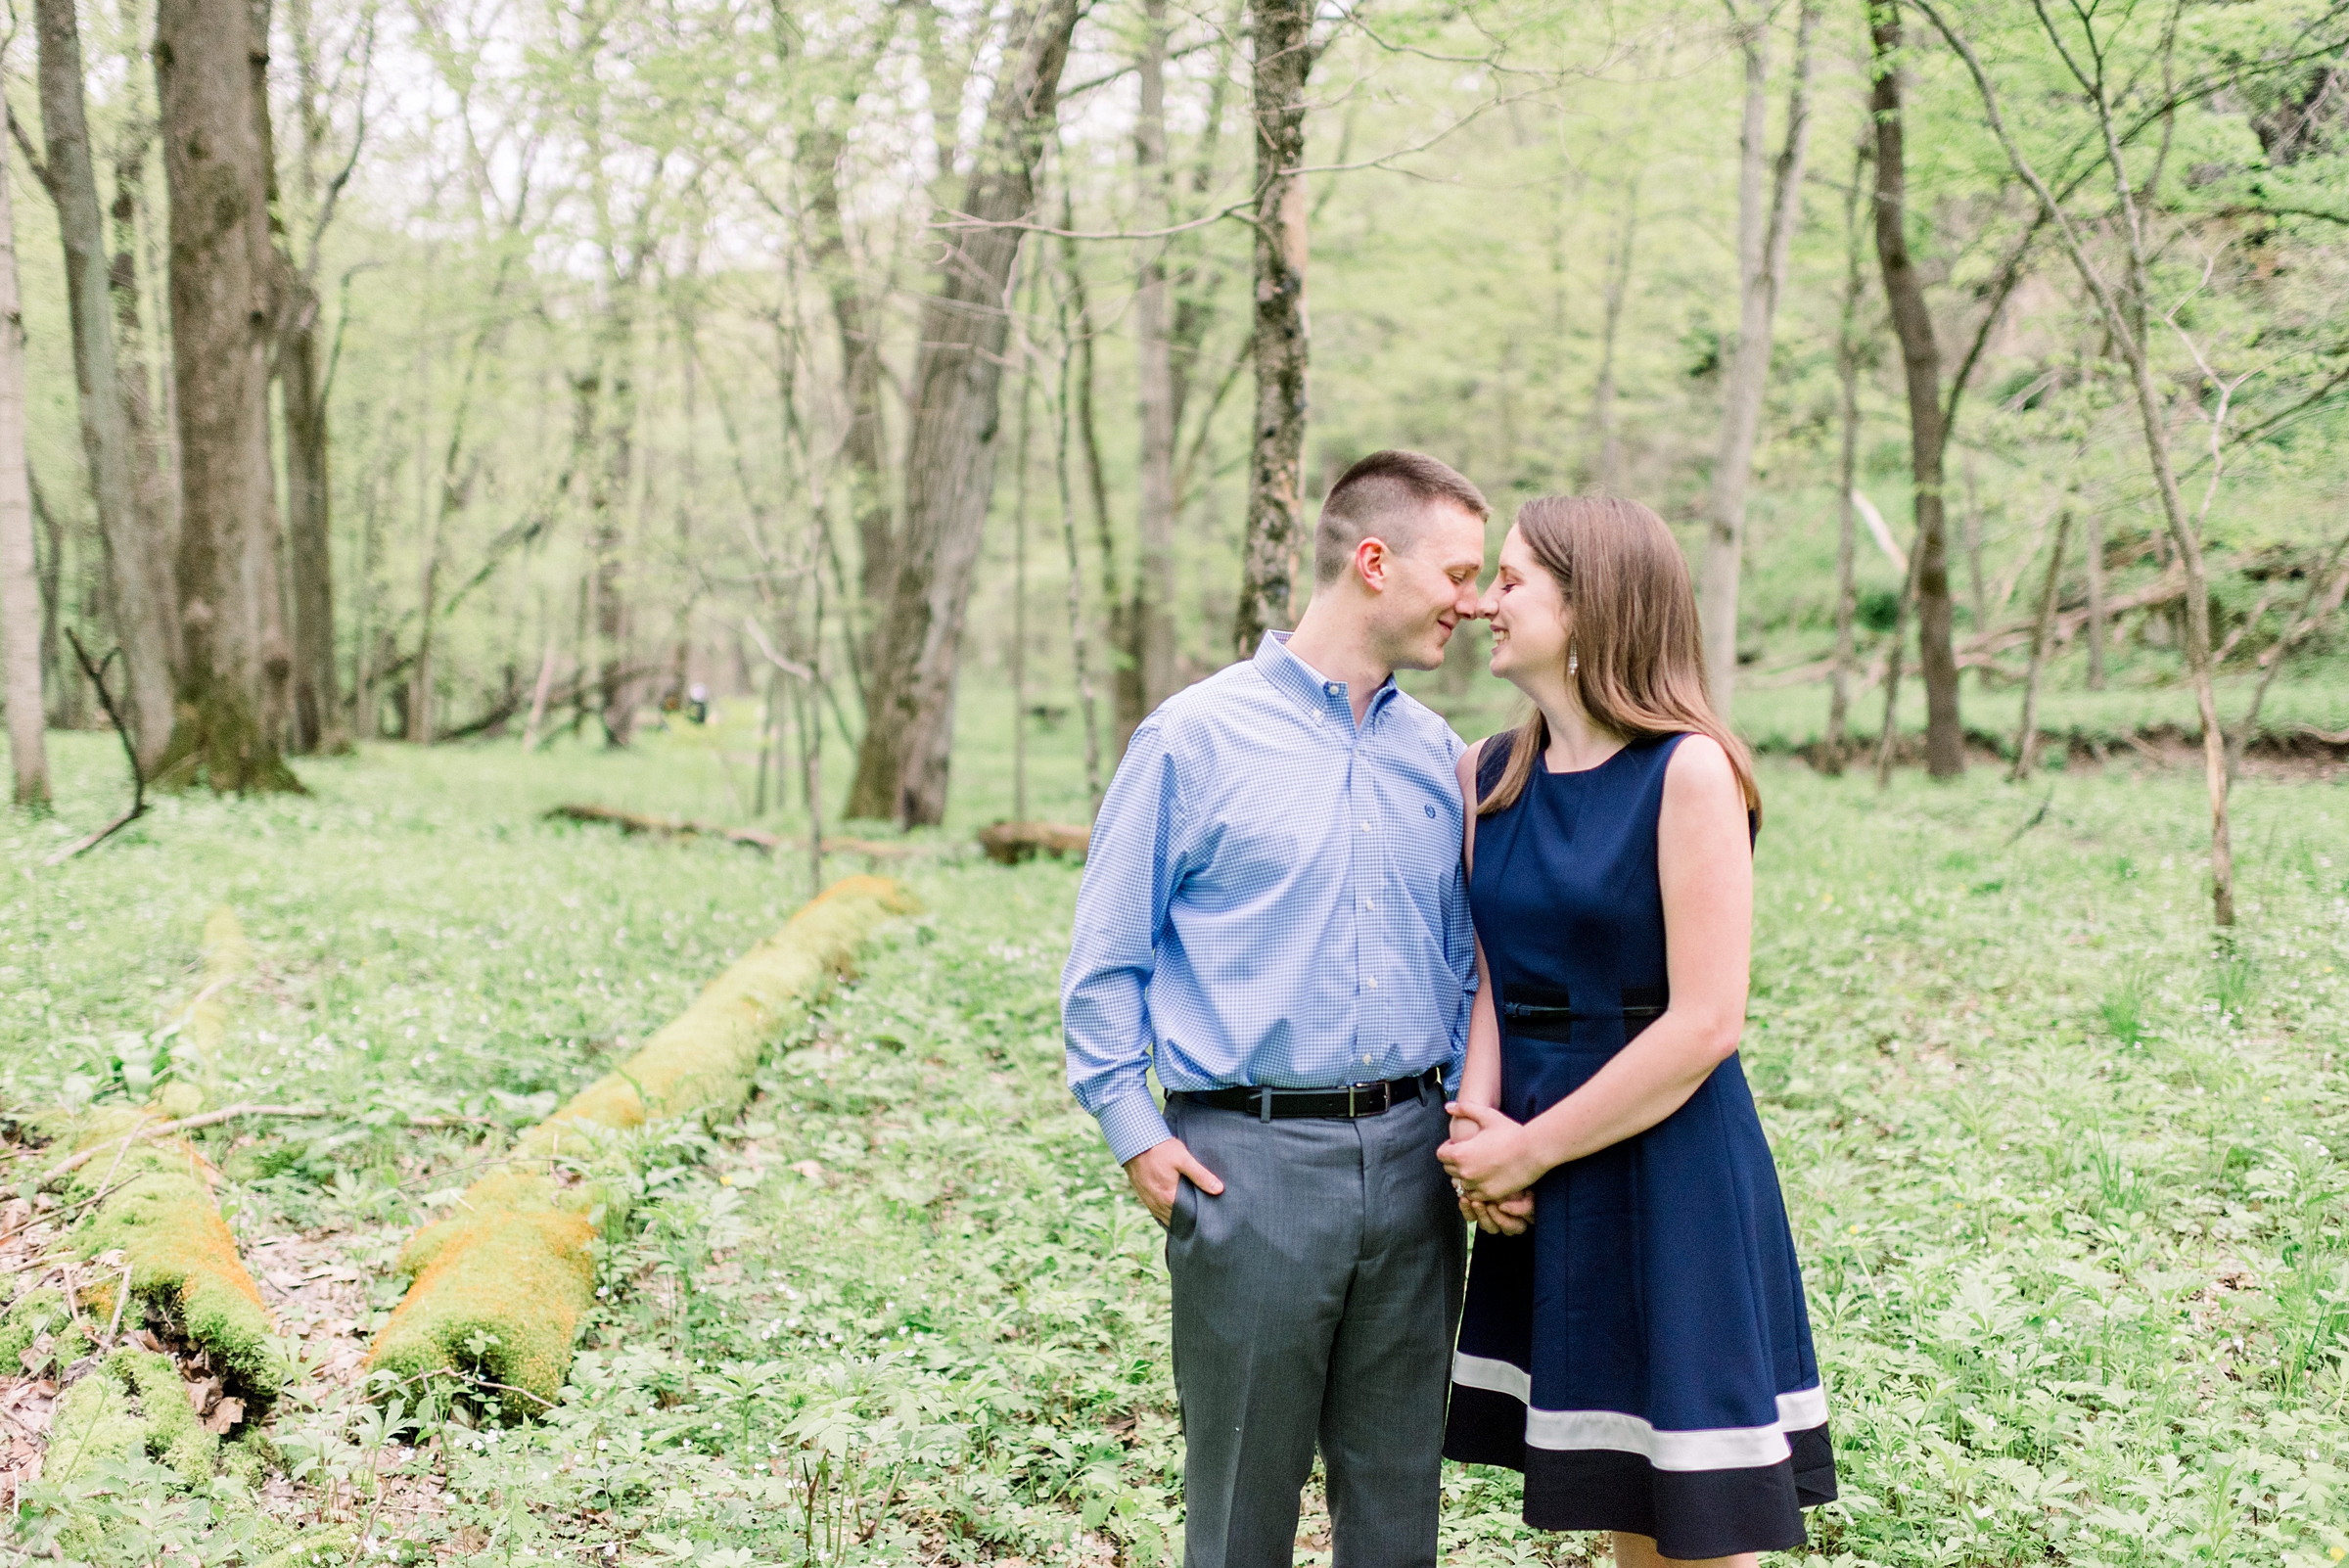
x,y
1640,1352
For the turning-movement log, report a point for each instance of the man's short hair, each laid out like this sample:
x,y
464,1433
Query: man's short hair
x,y
1382,497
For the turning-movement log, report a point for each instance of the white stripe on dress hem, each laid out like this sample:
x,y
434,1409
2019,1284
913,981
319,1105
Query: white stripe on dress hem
x,y
1728,1448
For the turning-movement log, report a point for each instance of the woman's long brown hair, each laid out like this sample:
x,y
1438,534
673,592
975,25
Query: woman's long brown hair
x,y
1632,617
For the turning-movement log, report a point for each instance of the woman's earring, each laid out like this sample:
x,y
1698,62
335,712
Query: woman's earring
x,y
1574,662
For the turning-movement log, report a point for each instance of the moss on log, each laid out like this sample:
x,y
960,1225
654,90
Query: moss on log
x,y
158,1210
500,1287
498,1290
132,1403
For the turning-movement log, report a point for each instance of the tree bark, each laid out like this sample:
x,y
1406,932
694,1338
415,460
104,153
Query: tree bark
x,y
2026,739
1764,239
19,573
1281,41
1920,360
1153,612
902,764
137,563
220,313
1847,470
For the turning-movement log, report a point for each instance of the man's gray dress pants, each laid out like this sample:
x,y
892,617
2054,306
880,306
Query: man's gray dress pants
x,y
1315,1300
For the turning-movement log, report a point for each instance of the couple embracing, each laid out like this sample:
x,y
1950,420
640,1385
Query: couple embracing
x,y
1392,985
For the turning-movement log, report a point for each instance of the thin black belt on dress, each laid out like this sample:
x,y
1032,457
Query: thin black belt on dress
x,y
1641,1005
1343,1103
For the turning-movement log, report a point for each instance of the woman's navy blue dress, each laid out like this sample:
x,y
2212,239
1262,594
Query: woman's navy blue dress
x,y
1641,1353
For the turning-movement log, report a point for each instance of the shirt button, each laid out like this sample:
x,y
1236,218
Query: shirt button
x,y
1367,904
1365,827
1370,981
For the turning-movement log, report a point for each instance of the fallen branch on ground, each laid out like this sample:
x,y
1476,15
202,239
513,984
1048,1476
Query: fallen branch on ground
x,y
666,827
678,827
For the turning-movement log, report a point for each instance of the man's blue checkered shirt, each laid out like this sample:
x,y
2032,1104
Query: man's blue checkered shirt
x,y
1273,898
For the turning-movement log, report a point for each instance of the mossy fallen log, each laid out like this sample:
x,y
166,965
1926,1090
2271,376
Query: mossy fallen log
x,y
154,1199
499,1288
157,1209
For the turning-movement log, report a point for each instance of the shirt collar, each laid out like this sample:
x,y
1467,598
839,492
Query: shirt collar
x,y
1308,685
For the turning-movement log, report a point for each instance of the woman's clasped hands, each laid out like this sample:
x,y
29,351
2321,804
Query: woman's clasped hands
x,y
1493,1167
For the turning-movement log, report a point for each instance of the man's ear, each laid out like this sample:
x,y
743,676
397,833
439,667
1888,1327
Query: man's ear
x,y
1371,560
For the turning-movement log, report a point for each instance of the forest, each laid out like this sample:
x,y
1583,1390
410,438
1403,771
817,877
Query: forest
x,y
527,524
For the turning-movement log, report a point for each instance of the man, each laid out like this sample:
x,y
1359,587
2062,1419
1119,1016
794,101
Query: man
x,y
1274,917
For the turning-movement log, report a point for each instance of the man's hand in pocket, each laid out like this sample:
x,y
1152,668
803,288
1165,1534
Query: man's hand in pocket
x,y
1157,1174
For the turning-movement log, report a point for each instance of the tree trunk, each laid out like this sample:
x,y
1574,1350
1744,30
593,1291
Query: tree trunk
x,y
863,444
1888,738
1973,548
1019,594
1124,651
317,708
1153,612
2026,739
1281,39
153,464
317,704
60,685
1763,238
902,766
1847,470
277,648
19,573
607,502
220,311
1606,441
2096,600
1921,359
138,566
1082,669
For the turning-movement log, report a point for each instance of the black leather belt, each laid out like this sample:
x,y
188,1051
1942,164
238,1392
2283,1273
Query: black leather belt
x,y
1343,1104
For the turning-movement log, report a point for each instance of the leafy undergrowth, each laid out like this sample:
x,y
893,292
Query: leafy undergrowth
x,y
2067,1181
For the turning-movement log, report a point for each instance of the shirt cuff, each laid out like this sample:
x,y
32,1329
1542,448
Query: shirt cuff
x,y
1131,1123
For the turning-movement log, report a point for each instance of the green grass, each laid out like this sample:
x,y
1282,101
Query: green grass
x,y
2067,1177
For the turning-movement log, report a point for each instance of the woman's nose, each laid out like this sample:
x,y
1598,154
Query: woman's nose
x,y
1486,605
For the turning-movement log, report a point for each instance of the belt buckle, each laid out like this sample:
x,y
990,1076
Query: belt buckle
x,y
1350,1112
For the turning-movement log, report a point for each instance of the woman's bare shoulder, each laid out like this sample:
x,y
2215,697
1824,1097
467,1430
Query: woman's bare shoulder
x,y
1700,774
